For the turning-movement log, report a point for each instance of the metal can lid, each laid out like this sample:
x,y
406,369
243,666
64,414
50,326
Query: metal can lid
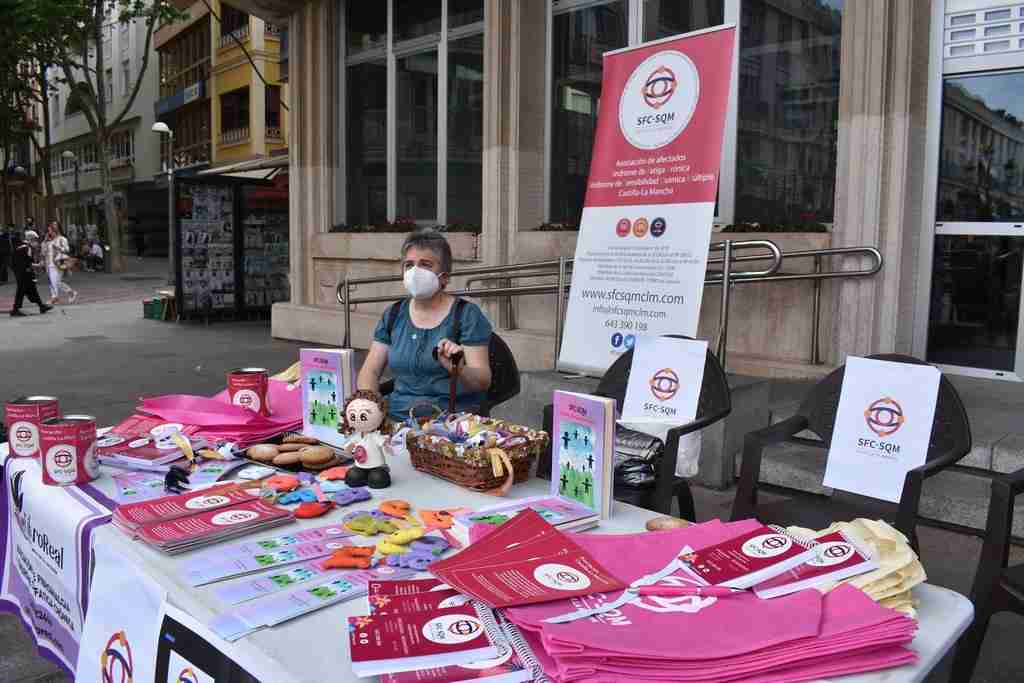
x,y
250,371
79,418
25,400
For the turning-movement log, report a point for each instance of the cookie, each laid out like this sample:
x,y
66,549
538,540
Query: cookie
x,y
286,459
316,455
300,438
263,452
665,523
323,466
291,447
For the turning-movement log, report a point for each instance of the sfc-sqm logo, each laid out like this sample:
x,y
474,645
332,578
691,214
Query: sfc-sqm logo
x,y
659,100
884,417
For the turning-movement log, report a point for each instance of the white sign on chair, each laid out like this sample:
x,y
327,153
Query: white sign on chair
x,y
883,426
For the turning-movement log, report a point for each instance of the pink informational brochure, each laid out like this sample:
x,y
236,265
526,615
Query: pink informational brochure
x,y
382,605
406,587
525,561
172,507
748,559
408,642
836,558
187,532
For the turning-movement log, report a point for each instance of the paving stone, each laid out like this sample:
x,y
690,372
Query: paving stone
x,y
1008,453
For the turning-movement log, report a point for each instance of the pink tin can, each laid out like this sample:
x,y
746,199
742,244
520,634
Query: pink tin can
x,y
248,388
68,448
23,417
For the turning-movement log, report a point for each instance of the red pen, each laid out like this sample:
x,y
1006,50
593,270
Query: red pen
x,y
703,591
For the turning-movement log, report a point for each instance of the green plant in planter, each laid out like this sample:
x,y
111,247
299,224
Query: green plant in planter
x,y
775,227
402,224
558,227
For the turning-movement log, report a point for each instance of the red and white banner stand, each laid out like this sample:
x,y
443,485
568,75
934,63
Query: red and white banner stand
x,y
646,226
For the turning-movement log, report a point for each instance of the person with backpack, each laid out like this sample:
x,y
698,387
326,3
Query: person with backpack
x,y
410,330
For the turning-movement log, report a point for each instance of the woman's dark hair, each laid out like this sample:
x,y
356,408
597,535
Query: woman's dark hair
x,y
428,238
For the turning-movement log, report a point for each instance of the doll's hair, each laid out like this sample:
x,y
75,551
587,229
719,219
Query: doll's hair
x,y
366,395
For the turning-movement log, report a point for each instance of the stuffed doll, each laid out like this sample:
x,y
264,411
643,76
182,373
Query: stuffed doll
x,y
364,413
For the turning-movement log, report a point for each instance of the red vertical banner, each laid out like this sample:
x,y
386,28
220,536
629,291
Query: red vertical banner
x,y
646,226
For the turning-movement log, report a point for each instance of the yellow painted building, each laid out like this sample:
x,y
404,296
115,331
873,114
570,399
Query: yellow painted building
x,y
221,88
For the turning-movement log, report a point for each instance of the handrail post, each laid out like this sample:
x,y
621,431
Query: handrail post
x,y
347,343
723,314
559,308
816,315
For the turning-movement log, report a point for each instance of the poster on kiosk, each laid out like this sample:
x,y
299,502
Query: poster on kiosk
x,y
646,225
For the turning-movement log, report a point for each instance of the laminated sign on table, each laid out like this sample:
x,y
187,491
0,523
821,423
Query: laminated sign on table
x,y
883,426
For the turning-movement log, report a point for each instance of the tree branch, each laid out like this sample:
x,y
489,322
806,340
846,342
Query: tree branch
x,y
150,25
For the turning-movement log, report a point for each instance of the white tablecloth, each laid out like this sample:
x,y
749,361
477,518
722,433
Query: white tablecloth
x,y
315,647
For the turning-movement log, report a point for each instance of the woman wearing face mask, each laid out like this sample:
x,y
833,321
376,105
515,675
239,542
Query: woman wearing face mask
x,y
411,329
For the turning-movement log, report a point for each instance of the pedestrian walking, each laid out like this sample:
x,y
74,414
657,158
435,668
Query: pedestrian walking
x,y
57,252
6,251
22,263
140,240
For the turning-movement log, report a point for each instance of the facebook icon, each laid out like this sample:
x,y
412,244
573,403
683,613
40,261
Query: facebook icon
x,y
616,340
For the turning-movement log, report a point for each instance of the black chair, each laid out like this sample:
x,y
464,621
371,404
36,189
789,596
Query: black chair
x,y
997,587
714,404
505,380
950,441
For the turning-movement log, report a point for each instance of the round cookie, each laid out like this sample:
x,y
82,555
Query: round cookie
x,y
301,438
316,455
263,452
291,447
666,523
333,462
288,458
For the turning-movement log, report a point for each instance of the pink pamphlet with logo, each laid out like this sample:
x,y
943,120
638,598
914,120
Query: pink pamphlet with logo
x,y
748,559
407,642
836,557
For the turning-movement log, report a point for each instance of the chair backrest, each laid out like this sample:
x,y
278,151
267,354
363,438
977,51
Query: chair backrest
x,y
714,400
505,381
951,431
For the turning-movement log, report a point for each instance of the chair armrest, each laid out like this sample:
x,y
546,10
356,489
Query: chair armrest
x,y
780,431
1014,480
936,465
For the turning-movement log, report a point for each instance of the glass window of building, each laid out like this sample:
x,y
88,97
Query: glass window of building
x,y
663,18
234,116
788,111
579,38
416,18
465,130
413,143
366,25
416,136
982,149
366,144
462,12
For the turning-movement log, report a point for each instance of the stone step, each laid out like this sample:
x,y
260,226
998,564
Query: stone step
x,y
953,496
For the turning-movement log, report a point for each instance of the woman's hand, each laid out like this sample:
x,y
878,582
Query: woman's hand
x,y
447,350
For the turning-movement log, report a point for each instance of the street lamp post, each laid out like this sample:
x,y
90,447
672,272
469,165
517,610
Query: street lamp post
x,y
70,156
163,129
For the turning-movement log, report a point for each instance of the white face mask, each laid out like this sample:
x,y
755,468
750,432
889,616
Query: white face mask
x,y
421,283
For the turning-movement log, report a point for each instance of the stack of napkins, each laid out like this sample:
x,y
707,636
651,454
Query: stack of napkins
x,y
175,524
898,568
804,635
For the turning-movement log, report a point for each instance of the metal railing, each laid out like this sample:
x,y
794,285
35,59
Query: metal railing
x,y
560,269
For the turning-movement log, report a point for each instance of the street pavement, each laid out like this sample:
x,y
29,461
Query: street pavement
x,y
100,356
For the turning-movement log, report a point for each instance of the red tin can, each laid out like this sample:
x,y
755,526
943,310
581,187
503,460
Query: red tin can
x,y
248,387
22,418
68,448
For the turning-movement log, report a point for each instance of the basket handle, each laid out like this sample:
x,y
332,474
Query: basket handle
x,y
413,421
500,458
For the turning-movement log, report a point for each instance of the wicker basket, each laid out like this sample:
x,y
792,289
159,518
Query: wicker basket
x,y
471,467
